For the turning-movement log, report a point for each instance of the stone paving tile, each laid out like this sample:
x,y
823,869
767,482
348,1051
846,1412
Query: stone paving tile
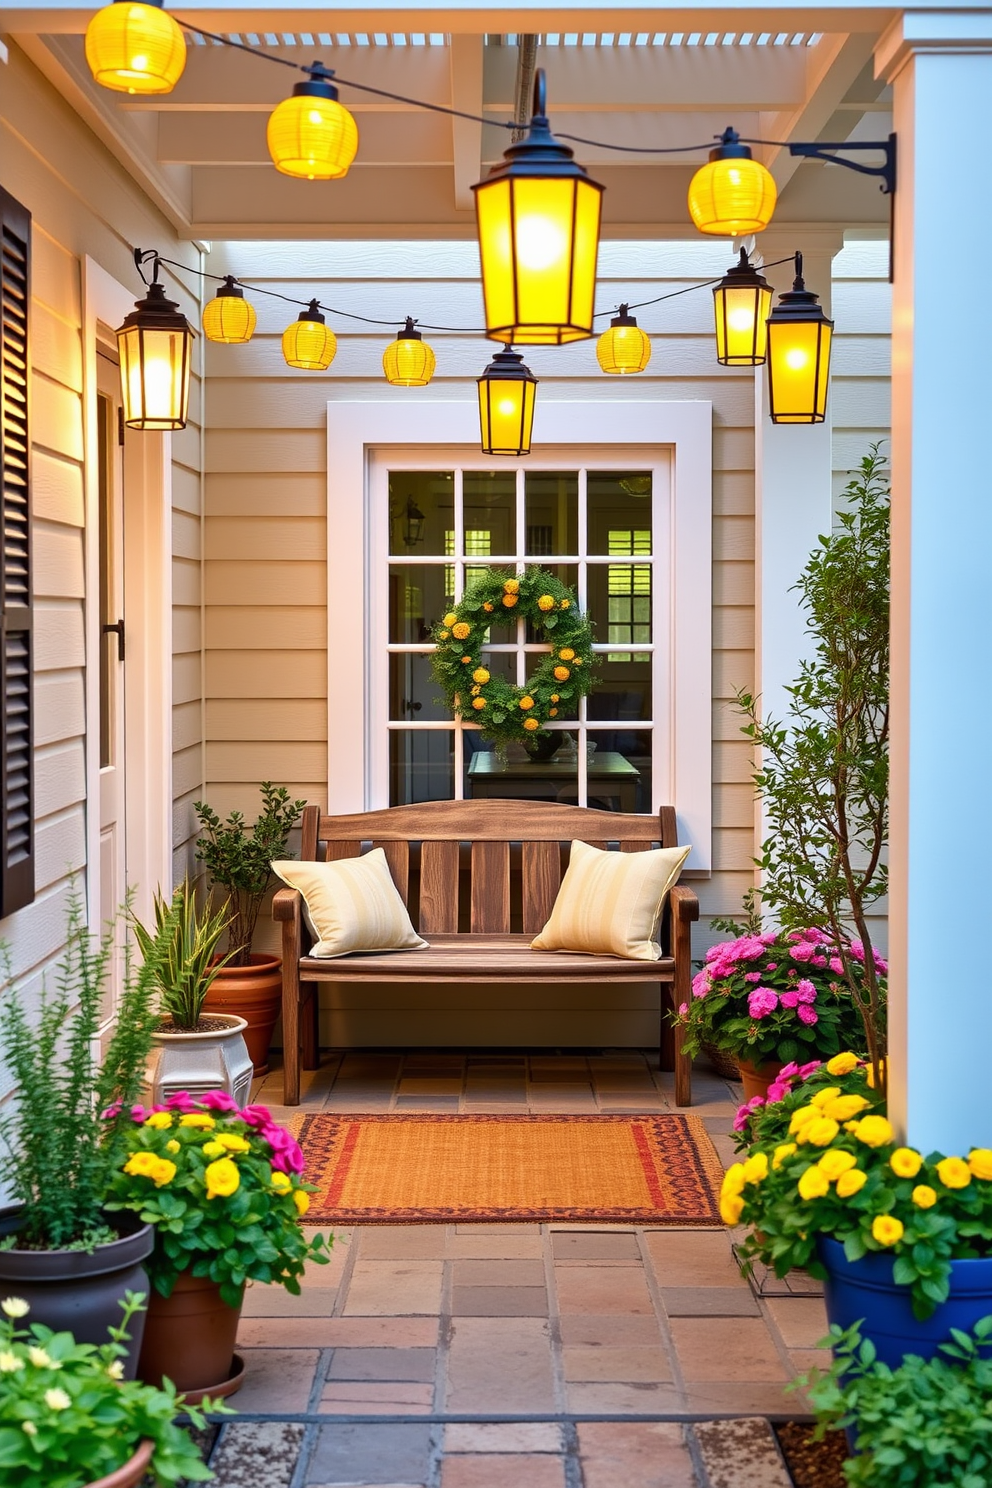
x,y
608,1397
740,1454
383,1364
277,1380
298,1332
496,1273
394,1288
604,1329
496,1247
499,1301
513,1470
802,1321
257,1454
499,1365
376,1397
635,1362
578,1245
635,1455
602,1289
692,1258
709,1301
402,1242
382,1332
385,1452
710,1350
503,1436
275,1301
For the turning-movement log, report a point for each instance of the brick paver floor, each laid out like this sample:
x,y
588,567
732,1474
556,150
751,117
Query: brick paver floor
x,y
524,1355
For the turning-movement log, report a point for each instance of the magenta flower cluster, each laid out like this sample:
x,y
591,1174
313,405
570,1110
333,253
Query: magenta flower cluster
x,y
287,1155
777,1090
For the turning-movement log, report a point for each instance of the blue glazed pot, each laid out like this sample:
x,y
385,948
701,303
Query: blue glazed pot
x,y
864,1289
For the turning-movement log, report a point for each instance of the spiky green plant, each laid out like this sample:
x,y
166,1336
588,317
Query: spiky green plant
x,y
188,938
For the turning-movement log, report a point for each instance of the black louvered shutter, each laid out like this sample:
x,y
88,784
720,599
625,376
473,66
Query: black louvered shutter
x,y
16,732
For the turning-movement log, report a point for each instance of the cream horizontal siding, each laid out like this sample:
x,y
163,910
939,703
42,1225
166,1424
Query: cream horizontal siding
x,y
862,359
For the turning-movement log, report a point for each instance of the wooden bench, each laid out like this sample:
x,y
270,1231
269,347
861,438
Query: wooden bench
x,y
473,942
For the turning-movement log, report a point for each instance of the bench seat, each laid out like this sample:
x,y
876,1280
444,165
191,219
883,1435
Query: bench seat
x,y
485,958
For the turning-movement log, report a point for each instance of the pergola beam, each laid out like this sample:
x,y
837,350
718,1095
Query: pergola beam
x,y
467,61
833,68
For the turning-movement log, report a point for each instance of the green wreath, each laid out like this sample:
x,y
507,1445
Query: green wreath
x,y
504,712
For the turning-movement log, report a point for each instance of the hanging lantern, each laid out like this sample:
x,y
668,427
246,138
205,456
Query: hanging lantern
x,y
506,405
135,48
537,214
229,318
310,135
741,302
624,347
408,361
309,343
799,336
155,345
733,195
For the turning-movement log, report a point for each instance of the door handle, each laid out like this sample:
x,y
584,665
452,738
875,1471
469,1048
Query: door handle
x,y
116,629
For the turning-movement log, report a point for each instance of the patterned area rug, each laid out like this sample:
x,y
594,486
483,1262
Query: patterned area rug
x,y
417,1169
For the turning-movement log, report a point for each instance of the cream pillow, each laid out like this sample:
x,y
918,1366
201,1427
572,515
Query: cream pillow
x,y
610,903
352,905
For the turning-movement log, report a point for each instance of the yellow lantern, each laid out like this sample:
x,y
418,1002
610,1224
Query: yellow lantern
x,y
408,361
506,405
538,215
624,347
741,302
733,194
309,343
229,318
311,135
799,337
155,345
135,48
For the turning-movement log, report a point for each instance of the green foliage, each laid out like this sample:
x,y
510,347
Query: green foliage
x,y
824,771
67,1417
749,924
189,939
215,1186
57,1153
503,711
928,1422
238,857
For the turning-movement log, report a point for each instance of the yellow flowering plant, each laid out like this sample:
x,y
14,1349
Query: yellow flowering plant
x,y
224,1189
823,1159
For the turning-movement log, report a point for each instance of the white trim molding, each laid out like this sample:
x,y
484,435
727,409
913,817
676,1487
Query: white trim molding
x,y
356,429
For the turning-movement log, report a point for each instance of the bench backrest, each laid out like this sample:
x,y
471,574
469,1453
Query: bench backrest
x,y
489,827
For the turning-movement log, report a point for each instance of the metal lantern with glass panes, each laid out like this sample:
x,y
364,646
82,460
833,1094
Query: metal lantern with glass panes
x,y
799,339
506,405
741,302
155,345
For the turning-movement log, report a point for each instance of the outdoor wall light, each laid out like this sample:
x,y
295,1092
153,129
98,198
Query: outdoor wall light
x,y
310,134
624,347
506,405
538,215
741,302
408,361
155,345
135,48
732,195
309,343
229,318
799,336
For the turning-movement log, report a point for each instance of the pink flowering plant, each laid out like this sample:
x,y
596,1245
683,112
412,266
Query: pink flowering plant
x,y
822,1158
776,996
223,1188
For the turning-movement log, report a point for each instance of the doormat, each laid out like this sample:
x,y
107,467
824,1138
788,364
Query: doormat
x,y
446,1169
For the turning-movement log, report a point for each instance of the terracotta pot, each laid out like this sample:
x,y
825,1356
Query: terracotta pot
x,y
756,1078
130,1472
78,1292
189,1337
198,1062
254,993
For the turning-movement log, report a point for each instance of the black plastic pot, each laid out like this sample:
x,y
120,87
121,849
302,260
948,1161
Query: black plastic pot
x,y
79,1293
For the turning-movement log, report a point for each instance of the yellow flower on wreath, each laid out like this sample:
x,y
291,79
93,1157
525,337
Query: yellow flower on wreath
x,y
906,1162
842,1064
466,661
510,600
488,607
450,618
567,653
552,712
480,675
850,1183
555,697
546,603
478,704
923,1196
445,633
954,1172
461,631
887,1230
526,702
223,1179
980,1163
562,674
566,604
530,724
511,586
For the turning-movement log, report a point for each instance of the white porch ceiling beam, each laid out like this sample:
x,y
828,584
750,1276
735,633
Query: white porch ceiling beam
x,y
239,139
467,60
833,67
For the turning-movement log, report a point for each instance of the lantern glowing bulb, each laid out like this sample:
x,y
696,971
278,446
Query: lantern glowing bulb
x,y
229,319
311,135
155,344
135,48
408,361
732,195
309,343
741,303
799,339
537,214
506,405
624,347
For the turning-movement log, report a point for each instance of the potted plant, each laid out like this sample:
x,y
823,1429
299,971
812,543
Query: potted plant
x,y
237,858
68,1417
902,1239
61,1250
924,1423
191,1050
775,998
223,1190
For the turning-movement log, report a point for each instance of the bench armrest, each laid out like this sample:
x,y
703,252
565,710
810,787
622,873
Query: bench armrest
x,y
685,905
286,904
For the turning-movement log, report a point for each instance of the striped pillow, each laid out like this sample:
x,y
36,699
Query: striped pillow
x,y
610,903
352,905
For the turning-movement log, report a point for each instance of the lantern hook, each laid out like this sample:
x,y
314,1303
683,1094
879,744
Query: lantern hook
x,y
540,94
142,256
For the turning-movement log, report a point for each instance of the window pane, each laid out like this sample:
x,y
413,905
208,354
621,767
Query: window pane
x,y
619,505
619,770
568,573
413,692
552,513
519,776
622,693
620,605
421,766
489,498
421,510
418,598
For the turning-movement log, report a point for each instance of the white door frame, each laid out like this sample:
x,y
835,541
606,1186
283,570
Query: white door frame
x,y
148,630
357,428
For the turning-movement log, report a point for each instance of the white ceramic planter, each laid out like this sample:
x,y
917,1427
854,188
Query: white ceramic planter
x,y
198,1062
